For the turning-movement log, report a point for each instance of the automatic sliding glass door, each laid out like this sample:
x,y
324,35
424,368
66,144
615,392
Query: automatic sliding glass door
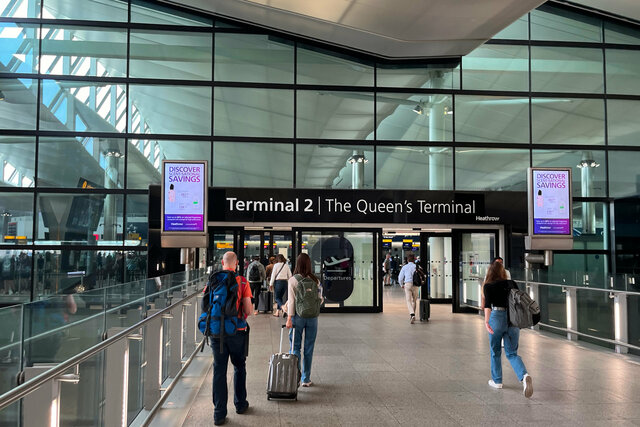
x,y
476,251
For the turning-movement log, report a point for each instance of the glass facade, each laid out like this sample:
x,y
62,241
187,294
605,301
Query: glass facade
x,y
93,98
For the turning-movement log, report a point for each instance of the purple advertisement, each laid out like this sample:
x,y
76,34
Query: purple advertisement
x,y
184,189
551,202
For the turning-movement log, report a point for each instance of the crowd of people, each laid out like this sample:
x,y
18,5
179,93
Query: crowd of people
x,y
289,287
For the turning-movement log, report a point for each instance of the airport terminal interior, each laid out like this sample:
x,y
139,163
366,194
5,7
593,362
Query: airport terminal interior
x,y
346,130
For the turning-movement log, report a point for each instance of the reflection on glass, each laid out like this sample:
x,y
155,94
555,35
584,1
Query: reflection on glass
x,y
91,10
22,9
496,67
519,30
253,58
320,66
84,51
566,69
620,33
170,55
589,169
590,225
335,115
325,166
508,116
568,121
554,24
439,263
184,110
15,274
66,271
344,264
16,223
410,117
99,162
242,164
595,315
18,46
623,128
634,322
623,71
82,106
623,173
137,222
253,112
477,252
17,155
86,219
489,169
149,12
575,269
553,307
19,104
419,168
144,158
425,76
10,341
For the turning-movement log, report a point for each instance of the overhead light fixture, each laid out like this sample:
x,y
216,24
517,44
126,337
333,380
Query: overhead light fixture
x,y
447,111
114,153
588,163
418,109
357,158
1,96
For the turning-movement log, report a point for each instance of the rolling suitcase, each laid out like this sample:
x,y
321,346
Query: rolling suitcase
x,y
284,375
265,301
425,310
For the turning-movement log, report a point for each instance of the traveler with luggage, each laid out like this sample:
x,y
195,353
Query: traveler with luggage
x,y
278,283
256,275
225,323
303,307
405,278
386,269
496,292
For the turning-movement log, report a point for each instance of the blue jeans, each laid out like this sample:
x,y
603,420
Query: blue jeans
x,y
310,328
281,291
501,330
233,348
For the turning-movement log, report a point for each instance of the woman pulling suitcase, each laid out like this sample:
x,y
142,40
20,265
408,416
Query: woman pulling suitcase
x,y
303,309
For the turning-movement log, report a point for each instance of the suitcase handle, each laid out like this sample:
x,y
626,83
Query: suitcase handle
x,y
282,334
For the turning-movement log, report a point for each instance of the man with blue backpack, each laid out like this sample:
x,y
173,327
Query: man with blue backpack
x,y
225,307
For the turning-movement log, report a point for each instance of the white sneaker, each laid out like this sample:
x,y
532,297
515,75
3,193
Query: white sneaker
x,y
413,319
494,385
527,385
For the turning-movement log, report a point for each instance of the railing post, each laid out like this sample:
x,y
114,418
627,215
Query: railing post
x,y
116,377
534,293
42,406
621,321
153,353
572,312
176,331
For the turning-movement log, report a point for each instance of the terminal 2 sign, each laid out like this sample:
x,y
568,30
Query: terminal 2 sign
x,y
367,206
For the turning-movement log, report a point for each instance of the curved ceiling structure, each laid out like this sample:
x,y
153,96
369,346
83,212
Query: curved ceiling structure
x,y
399,29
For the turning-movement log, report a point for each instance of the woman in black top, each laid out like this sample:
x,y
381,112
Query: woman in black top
x,y
496,305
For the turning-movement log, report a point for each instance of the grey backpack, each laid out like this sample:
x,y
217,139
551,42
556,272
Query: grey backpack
x,y
524,312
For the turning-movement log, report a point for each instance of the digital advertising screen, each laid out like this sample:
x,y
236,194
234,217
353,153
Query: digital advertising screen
x,y
184,189
551,193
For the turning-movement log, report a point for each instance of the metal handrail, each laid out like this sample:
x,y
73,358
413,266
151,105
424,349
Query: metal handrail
x,y
586,288
582,334
92,317
33,384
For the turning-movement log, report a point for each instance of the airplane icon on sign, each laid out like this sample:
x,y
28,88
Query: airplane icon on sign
x,y
335,261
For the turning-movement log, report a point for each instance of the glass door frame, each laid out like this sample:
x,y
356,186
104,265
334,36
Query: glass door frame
x,y
424,259
238,248
376,254
264,252
456,248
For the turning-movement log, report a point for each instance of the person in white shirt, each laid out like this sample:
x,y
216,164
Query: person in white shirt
x,y
406,282
279,281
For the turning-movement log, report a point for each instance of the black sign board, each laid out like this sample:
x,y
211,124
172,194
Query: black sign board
x,y
368,206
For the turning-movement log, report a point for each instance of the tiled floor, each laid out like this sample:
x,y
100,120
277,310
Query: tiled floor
x,y
377,369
